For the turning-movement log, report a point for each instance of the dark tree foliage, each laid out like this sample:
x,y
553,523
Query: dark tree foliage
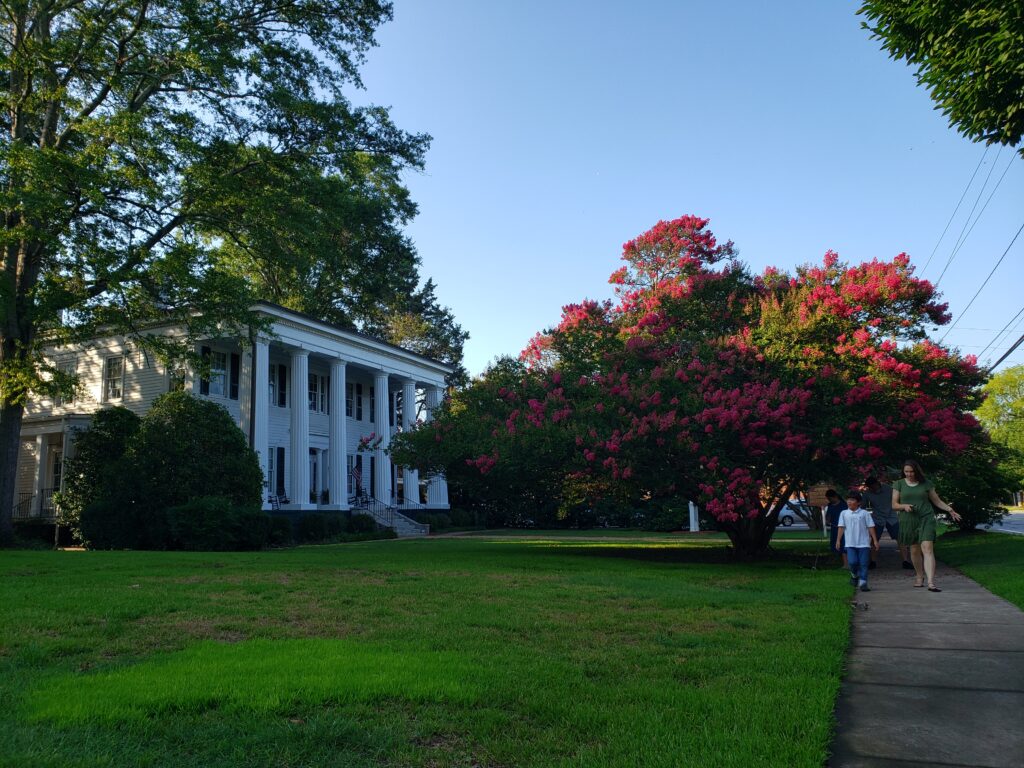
x,y
977,482
182,477
98,463
969,54
188,448
140,138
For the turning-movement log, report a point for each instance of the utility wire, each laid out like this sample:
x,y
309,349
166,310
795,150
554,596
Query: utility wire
x,y
1001,332
1009,352
976,293
953,215
960,243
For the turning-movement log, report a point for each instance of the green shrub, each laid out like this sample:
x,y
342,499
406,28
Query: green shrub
x,y
116,522
666,518
96,470
280,534
215,523
362,523
337,524
437,521
186,447
311,527
462,518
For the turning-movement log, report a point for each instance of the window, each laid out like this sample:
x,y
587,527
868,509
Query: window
x,y
319,387
216,385
349,399
373,407
275,471
359,402
68,368
279,385
113,378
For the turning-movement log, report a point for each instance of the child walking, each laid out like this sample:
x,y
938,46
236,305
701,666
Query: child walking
x,y
857,532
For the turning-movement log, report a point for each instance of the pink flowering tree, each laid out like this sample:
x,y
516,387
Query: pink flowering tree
x,y
704,382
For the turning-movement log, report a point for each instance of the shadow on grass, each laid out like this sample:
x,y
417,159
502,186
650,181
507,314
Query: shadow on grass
x,y
719,553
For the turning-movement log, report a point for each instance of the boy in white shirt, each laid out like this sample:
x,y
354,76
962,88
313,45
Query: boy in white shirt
x,y
857,532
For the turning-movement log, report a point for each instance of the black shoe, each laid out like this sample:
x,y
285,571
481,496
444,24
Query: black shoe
x,y
907,565
853,581
865,588
872,565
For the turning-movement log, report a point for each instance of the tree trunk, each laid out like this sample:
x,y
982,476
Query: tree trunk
x,y
10,441
751,536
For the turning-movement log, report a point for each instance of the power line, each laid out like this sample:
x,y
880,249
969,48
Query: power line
x,y
1003,330
1009,352
960,243
953,215
976,293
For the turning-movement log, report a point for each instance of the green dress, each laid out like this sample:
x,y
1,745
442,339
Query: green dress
x,y
919,525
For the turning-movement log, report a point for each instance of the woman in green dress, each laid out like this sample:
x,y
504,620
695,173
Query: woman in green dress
x,y
914,497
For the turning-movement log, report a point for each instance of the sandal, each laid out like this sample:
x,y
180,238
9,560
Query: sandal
x,y
918,586
933,588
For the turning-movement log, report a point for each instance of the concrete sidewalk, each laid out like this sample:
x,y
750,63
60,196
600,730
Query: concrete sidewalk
x,y
932,679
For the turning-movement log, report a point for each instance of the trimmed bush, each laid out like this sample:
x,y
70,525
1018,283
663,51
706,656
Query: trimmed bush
x,y
281,534
215,523
311,527
187,447
362,523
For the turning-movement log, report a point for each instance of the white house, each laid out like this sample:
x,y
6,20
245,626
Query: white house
x,y
318,404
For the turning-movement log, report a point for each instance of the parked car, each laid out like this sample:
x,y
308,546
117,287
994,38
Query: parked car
x,y
788,514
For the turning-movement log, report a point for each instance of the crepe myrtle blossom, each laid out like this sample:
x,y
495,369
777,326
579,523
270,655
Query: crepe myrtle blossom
x,y
706,383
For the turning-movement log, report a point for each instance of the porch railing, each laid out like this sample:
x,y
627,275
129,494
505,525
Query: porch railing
x,y
39,507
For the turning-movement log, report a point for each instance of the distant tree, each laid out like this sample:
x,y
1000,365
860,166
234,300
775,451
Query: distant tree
x,y
139,137
418,322
1002,414
978,482
969,55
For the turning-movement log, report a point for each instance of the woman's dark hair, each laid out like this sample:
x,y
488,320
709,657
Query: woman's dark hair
x,y
918,472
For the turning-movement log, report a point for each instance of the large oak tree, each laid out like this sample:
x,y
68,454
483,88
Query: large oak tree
x,y
141,138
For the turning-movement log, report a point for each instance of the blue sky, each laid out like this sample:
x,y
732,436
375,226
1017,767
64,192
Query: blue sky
x,y
563,129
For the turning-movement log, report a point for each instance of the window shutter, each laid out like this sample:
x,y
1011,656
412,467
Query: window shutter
x,y
282,384
235,372
280,472
204,383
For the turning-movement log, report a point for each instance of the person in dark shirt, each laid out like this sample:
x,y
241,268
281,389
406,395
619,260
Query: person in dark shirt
x,y
833,509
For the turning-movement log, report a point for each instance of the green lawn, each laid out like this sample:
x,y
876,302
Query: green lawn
x,y
536,650
994,560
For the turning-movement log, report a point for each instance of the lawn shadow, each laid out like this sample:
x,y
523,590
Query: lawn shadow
x,y
719,553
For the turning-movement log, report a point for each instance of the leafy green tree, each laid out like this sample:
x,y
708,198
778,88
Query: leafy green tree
x,y
419,323
189,448
1002,414
141,136
182,476
98,463
968,54
978,482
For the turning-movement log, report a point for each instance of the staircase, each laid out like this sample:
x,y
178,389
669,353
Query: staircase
x,y
388,516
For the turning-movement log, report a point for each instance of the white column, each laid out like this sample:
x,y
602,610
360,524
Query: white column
x,y
43,457
337,482
694,518
382,424
298,491
410,477
437,486
261,407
